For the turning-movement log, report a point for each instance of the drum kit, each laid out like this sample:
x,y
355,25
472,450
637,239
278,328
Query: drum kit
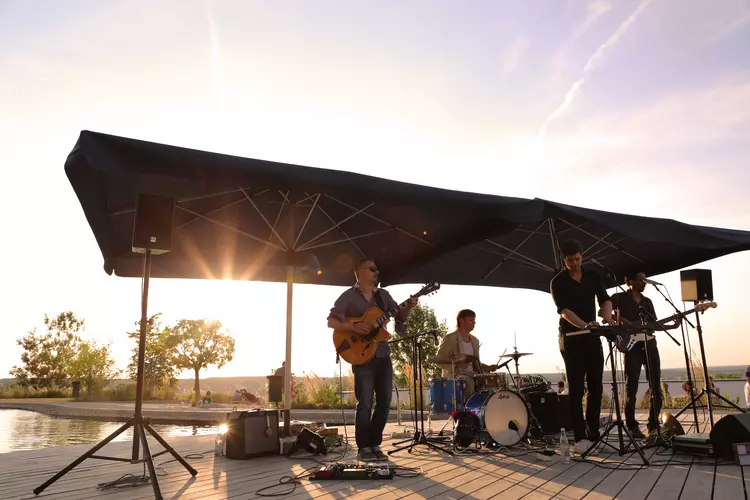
x,y
496,414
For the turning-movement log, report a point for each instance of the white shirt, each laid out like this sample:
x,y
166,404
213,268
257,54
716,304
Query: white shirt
x,y
747,394
466,348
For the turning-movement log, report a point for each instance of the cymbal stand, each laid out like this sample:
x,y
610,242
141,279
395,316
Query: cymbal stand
x,y
420,438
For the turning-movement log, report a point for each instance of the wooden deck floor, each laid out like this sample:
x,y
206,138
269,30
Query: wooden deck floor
x,y
512,476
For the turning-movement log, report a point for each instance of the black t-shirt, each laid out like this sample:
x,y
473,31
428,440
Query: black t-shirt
x,y
629,307
577,297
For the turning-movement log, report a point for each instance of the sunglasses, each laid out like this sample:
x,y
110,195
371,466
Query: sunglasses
x,y
373,269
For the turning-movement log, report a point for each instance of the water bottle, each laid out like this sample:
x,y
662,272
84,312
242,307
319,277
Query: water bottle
x,y
564,447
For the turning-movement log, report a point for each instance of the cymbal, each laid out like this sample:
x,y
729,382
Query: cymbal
x,y
516,355
456,358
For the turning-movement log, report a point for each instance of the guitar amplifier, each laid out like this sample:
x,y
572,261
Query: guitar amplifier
x,y
252,433
552,410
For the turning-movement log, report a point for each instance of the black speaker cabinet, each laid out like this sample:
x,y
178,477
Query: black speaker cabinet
x,y
152,229
733,428
545,407
696,285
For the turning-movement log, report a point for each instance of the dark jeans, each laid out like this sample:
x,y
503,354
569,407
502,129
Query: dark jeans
x,y
372,378
634,359
584,362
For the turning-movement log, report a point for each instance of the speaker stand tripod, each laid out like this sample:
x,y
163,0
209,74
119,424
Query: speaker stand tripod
x,y
708,389
617,422
420,438
139,424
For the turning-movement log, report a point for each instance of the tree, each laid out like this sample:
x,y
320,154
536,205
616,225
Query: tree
x,y
47,357
196,344
421,319
93,367
158,370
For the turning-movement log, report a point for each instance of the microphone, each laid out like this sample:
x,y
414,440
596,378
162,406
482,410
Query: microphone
x,y
652,282
434,333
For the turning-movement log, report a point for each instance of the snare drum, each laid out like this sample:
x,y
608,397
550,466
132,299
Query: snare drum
x,y
484,381
441,394
498,412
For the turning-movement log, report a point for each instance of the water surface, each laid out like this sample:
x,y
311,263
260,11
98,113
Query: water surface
x,y
29,430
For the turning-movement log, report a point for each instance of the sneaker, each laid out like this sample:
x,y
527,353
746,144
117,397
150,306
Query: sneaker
x,y
583,445
366,455
379,455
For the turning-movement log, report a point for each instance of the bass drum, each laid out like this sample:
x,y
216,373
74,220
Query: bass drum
x,y
502,414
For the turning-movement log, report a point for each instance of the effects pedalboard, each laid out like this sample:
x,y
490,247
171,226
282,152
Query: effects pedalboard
x,y
340,471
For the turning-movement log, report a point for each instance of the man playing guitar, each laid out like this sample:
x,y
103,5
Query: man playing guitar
x,y
375,376
462,341
636,308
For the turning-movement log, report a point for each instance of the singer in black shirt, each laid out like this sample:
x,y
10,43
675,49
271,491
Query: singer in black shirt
x,y
574,291
635,308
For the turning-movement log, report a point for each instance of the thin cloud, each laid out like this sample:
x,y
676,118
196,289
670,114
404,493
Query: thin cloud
x,y
514,55
216,57
590,65
594,10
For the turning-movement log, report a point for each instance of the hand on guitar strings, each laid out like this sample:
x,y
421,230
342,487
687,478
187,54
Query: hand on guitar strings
x,y
361,328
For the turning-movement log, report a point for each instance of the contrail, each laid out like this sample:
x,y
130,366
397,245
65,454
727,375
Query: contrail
x,y
213,34
590,66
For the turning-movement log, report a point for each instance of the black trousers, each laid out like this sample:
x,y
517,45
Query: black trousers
x,y
584,366
634,360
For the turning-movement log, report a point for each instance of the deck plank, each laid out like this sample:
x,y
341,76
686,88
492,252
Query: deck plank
x,y
471,476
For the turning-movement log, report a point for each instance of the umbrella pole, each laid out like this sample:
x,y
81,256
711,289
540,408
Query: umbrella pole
x,y
288,371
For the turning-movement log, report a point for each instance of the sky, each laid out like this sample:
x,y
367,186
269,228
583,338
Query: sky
x,y
637,107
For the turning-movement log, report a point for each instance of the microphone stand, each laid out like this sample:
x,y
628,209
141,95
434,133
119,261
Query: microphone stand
x,y
687,356
617,422
419,434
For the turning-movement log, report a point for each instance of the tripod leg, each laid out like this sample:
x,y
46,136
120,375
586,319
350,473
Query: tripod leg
x,y
637,448
83,457
149,463
171,450
713,391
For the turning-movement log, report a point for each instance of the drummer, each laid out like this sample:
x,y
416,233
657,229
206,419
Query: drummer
x,y
462,342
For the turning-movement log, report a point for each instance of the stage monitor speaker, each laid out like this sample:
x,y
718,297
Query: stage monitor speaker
x,y
733,428
152,229
545,407
696,285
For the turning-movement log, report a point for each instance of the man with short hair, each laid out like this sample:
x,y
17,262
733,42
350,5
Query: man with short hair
x,y
574,290
375,376
461,341
635,308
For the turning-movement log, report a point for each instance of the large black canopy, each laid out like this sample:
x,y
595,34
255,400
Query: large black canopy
x,y
613,243
240,218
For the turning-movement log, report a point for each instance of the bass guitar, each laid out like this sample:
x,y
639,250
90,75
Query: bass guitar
x,y
356,348
625,343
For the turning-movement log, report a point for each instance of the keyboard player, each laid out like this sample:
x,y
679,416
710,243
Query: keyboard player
x,y
574,291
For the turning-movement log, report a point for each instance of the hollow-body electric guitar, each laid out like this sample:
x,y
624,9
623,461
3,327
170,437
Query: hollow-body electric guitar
x,y
624,344
359,348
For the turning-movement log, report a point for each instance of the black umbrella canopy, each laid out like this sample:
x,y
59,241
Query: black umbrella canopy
x,y
529,257
240,218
